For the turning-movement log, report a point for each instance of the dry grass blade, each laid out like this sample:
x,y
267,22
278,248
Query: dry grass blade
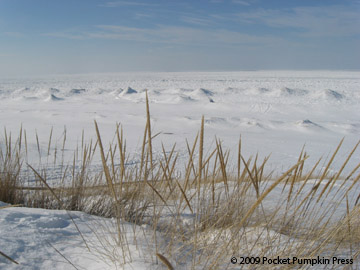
x,y
49,144
190,164
62,255
20,137
46,184
355,181
165,261
352,172
157,192
26,148
201,149
304,183
166,169
143,151
122,157
239,159
184,196
149,130
222,164
154,136
253,181
326,171
349,222
105,167
38,145
294,176
7,257
336,177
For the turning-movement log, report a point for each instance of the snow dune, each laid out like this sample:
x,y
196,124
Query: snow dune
x,y
275,112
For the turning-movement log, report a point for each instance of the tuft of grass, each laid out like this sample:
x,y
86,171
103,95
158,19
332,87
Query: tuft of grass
x,y
10,167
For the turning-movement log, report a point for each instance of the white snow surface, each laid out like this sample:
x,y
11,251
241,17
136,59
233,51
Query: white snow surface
x,y
49,239
275,112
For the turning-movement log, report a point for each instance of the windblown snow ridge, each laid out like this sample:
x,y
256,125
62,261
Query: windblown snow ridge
x,y
173,95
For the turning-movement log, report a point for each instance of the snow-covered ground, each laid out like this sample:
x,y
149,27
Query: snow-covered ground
x,y
49,239
275,112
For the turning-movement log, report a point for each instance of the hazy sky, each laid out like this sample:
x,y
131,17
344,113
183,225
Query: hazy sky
x,y
80,36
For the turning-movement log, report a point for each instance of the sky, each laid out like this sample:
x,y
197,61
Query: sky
x,y
92,36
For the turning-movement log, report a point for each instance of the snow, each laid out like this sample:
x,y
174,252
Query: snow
x,y
42,239
275,112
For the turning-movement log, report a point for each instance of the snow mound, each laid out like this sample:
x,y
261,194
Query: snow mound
x,y
258,91
293,92
181,90
102,91
155,93
250,123
116,92
128,94
129,91
183,99
54,90
308,125
29,98
77,91
262,90
344,128
23,93
232,90
52,97
331,94
23,90
202,94
216,121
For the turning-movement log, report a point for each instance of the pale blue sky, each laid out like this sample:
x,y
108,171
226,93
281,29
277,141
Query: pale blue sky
x,y
81,36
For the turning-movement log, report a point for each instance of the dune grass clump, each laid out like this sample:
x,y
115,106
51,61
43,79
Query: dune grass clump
x,y
10,167
203,215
